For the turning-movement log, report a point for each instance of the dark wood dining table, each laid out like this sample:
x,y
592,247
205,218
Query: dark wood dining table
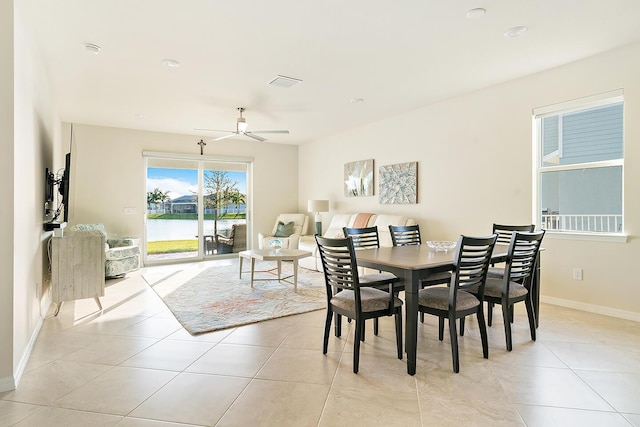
x,y
413,263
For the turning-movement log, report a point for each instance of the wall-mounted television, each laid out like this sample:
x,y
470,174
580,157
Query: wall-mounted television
x,y
64,186
52,212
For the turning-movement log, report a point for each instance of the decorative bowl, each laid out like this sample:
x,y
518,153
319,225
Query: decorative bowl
x,y
275,244
441,245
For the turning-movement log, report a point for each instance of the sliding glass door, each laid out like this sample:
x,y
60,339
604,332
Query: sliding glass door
x,y
196,207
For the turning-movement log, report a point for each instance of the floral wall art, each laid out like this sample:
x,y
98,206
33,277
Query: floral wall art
x,y
358,178
398,184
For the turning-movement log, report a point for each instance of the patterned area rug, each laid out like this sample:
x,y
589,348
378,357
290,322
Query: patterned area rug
x,y
215,298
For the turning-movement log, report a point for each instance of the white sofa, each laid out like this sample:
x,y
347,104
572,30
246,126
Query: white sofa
x,y
308,243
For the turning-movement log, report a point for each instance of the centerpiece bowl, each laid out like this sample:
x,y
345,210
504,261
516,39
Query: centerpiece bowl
x,y
441,245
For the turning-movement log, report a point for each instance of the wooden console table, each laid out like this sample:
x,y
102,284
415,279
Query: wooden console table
x,y
77,267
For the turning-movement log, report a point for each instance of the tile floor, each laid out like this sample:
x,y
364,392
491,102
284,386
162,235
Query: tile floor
x,y
134,365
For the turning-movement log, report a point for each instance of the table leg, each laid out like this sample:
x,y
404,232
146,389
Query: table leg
x,y
279,269
240,272
412,283
295,275
253,267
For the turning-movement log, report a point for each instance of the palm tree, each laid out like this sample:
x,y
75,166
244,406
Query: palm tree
x,y
237,198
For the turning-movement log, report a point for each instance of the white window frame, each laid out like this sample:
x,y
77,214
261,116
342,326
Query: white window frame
x,y
575,105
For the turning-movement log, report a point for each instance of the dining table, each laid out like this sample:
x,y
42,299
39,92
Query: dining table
x,y
415,262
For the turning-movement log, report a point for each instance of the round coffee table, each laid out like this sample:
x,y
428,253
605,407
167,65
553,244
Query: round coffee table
x,y
274,255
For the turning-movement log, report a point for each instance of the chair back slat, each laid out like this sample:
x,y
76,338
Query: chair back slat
x,y
404,235
363,238
504,232
523,251
472,260
338,261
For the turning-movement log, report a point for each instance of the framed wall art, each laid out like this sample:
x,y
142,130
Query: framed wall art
x,y
358,178
398,184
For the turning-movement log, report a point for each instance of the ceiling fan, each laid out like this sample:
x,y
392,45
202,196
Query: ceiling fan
x,y
241,129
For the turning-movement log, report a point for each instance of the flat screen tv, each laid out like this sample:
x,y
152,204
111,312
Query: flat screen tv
x,y
64,186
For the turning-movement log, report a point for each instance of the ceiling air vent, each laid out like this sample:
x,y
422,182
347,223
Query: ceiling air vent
x,y
284,81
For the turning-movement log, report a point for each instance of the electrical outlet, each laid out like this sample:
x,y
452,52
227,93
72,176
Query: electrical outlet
x,y
577,274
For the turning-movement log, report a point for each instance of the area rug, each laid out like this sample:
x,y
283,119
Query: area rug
x,y
205,300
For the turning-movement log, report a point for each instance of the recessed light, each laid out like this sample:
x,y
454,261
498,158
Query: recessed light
x,y
515,31
172,63
356,100
92,48
476,13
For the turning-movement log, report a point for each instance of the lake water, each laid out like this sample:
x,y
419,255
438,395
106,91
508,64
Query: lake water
x,y
184,229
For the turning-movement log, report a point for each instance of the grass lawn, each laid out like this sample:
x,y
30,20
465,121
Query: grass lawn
x,y
171,246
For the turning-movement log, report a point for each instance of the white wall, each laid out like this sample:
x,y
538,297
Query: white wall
x,y
108,175
29,128
474,155
6,208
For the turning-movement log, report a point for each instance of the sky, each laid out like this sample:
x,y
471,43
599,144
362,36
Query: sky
x,y
182,182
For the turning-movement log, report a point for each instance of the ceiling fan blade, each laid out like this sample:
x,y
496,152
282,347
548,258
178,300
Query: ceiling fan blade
x,y
270,131
214,130
220,138
256,137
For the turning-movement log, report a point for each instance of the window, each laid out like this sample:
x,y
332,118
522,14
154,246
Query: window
x,y
579,165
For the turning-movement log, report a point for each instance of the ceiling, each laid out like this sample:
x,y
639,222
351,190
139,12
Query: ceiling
x,y
394,56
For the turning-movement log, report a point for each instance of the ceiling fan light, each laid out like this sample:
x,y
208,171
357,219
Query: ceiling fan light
x,y
242,125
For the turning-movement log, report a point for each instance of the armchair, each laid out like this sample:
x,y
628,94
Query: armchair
x,y
290,237
122,255
235,242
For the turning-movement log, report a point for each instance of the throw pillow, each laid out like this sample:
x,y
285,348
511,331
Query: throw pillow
x,y
284,230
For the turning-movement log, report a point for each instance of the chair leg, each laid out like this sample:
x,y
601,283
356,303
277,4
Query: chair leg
x,y
489,313
399,332
507,324
454,344
421,317
338,326
511,311
356,347
327,331
483,332
441,328
532,318
375,326
462,326
362,329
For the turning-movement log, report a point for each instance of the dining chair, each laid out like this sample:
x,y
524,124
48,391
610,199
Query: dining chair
x,y
515,284
407,235
367,238
504,233
471,263
349,297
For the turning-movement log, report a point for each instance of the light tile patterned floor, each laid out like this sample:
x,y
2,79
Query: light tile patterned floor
x,y
134,365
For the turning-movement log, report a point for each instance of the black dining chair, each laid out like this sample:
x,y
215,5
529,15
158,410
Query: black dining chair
x,y
368,238
515,284
349,297
407,235
504,233
471,264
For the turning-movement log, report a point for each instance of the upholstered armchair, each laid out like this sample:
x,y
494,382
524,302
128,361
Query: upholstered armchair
x,y
122,255
288,229
235,242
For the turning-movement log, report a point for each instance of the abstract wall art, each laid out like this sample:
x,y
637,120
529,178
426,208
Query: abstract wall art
x,y
398,184
358,178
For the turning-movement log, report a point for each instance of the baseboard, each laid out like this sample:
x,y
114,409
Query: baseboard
x,y
11,383
592,308
7,384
